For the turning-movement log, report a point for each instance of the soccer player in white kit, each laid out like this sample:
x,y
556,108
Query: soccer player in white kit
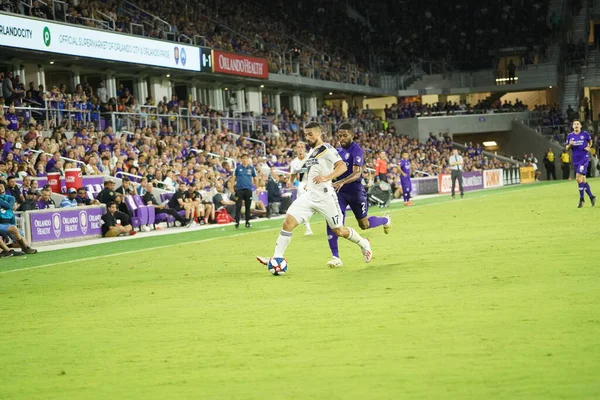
x,y
323,164
297,168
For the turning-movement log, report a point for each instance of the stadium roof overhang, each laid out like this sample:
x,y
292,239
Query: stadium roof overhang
x,y
276,83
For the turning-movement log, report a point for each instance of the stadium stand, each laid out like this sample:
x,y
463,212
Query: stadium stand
x,y
327,44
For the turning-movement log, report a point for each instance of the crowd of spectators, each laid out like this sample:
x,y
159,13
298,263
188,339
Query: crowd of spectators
x,y
318,39
417,109
160,156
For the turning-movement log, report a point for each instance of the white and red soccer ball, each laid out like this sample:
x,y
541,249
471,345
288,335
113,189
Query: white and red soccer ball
x,y
277,266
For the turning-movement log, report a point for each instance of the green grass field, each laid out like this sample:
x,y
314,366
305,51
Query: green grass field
x,y
494,296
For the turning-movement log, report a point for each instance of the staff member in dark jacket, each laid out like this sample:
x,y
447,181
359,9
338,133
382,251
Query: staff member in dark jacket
x,y
150,200
245,177
115,223
108,194
30,202
549,164
273,193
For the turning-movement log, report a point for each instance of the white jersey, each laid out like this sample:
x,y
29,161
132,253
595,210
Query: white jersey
x,y
297,167
320,162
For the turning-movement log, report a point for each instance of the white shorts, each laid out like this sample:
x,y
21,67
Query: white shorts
x,y
325,204
301,189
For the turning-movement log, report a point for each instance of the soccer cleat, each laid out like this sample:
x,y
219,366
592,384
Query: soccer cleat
x,y
248,225
189,223
367,253
6,254
237,225
263,260
308,232
593,200
335,262
408,203
131,233
581,203
387,227
29,250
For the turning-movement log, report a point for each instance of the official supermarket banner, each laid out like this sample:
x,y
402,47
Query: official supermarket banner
x,y
46,36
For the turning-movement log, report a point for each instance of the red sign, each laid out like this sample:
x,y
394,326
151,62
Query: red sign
x,y
239,64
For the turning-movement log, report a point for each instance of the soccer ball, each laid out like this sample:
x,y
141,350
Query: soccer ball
x,y
277,266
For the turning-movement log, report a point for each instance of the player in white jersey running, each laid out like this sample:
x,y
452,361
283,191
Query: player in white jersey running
x,y
323,164
298,169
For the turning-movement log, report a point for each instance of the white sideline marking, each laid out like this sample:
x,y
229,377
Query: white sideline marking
x,y
135,251
457,201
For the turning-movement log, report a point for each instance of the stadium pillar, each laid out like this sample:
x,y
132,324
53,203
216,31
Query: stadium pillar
x,y
76,77
311,102
296,104
216,98
21,72
160,88
111,84
141,89
240,95
170,86
254,99
193,91
41,76
277,101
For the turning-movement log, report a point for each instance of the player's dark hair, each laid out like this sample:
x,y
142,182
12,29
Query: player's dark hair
x,y
312,125
244,155
111,203
576,120
346,126
404,152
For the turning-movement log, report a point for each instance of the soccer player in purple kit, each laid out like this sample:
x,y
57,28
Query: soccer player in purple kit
x,y
405,178
581,144
351,192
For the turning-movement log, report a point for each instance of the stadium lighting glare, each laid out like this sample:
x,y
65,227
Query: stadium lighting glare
x,y
330,93
506,79
490,144
51,62
226,89
550,87
168,75
262,86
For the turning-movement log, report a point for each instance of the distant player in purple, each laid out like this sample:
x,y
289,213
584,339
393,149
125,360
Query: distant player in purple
x,y
581,144
405,178
351,191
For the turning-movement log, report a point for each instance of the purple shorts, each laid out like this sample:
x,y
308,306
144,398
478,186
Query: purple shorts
x,y
582,168
406,185
357,201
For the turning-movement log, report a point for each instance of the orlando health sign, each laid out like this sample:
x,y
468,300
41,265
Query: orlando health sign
x,y
65,223
46,36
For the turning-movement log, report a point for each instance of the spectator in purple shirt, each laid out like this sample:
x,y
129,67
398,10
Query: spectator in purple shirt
x,y
46,199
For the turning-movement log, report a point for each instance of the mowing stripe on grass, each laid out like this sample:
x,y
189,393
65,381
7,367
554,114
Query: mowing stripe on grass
x,y
435,201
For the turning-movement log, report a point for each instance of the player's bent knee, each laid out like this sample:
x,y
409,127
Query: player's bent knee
x,y
364,224
289,223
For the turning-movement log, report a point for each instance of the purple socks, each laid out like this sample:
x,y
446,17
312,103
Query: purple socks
x,y
581,189
374,222
588,190
333,242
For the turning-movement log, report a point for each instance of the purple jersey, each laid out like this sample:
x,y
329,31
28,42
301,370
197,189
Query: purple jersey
x,y
580,142
405,167
353,194
353,155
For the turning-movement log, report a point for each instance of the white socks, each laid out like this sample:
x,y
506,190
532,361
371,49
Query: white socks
x,y
283,241
356,238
